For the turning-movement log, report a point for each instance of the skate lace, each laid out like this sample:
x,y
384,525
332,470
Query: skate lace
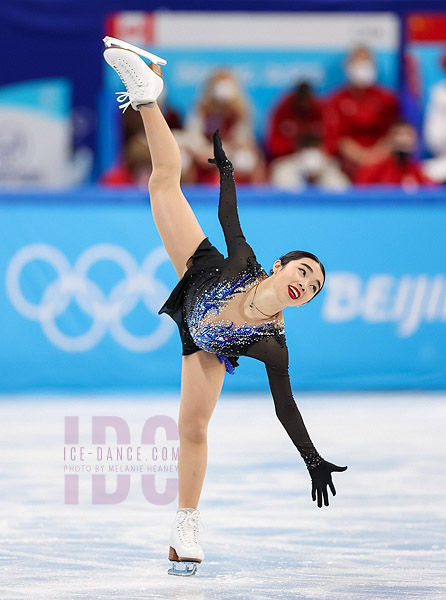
x,y
129,78
122,96
189,528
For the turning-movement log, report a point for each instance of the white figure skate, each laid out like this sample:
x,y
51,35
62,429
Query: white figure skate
x,y
143,85
184,547
111,42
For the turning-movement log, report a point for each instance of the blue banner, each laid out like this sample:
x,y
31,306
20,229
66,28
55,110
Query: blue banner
x,y
83,275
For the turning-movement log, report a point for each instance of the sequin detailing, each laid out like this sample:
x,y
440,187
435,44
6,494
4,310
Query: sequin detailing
x,y
224,337
226,169
310,455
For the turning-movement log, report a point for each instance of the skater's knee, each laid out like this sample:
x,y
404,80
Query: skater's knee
x,y
193,431
164,179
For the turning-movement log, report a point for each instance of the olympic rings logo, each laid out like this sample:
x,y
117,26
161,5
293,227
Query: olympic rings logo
x,y
106,313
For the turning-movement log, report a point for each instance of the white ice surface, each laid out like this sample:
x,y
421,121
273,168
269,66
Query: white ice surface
x,y
382,537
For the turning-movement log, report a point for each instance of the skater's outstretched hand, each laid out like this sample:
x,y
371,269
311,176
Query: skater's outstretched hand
x,y
321,478
219,153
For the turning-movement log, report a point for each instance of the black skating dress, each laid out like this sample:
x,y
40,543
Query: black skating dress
x,y
206,304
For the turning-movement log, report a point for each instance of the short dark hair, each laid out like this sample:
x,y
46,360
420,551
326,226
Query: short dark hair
x,y
401,122
297,255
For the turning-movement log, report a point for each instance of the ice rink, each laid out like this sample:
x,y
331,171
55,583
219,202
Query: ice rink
x,y
382,537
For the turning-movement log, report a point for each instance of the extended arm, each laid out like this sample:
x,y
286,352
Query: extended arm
x,y
289,415
275,358
227,207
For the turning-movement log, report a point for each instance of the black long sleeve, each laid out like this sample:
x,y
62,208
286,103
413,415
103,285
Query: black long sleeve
x,y
275,357
273,352
239,251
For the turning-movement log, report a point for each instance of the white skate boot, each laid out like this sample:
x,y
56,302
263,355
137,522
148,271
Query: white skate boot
x,y
143,85
184,547
111,42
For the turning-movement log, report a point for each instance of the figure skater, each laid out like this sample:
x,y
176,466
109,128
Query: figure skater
x,y
224,307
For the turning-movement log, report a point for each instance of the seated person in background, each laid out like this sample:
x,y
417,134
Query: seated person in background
x,y
246,157
310,165
135,162
434,129
297,114
358,116
224,107
399,167
132,122
135,167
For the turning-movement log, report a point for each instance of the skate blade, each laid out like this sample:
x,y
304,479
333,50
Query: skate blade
x,y
114,42
190,568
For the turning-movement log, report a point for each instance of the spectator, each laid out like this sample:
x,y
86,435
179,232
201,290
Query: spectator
x,y
224,107
132,122
297,114
249,163
136,165
435,130
359,115
309,166
399,167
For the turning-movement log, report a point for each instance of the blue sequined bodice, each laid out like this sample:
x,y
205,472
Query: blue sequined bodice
x,y
224,336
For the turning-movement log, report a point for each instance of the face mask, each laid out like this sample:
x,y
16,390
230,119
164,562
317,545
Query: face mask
x,y
312,161
224,89
244,160
361,73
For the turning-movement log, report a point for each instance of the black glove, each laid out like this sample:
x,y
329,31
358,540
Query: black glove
x,y
320,478
220,157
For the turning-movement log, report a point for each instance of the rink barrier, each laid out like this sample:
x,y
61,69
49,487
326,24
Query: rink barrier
x,y
84,273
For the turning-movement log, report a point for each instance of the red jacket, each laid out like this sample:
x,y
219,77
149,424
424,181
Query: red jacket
x,y
287,125
391,171
117,175
363,115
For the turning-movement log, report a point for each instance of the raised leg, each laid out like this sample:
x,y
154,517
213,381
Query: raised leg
x,y
174,218
202,378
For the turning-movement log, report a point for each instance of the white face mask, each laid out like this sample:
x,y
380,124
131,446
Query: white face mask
x,y
361,73
224,89
244,160
312,161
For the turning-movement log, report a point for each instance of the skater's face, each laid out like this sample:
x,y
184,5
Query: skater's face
x,y
298,281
